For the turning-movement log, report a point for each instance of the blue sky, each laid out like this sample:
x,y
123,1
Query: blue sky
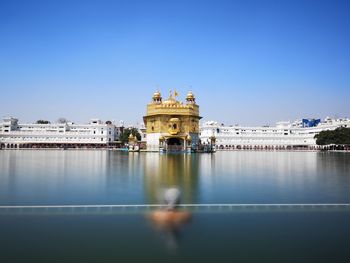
x,y
248,62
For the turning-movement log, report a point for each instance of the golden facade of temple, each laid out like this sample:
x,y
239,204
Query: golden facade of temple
x,y
172,125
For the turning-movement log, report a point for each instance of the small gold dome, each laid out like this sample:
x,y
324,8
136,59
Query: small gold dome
x,y
190,95
189,138
156,94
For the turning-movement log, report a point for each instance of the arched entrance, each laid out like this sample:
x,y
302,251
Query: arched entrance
x,y
174,144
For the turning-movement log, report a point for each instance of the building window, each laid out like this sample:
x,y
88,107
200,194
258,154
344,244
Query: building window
x,y
101,139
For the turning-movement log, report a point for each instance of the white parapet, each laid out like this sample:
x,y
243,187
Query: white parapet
x,y
284,134
16,134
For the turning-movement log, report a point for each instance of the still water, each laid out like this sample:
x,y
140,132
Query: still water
x,y
108,177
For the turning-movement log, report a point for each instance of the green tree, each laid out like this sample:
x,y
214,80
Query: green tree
x,y
42,122
124,137
339,136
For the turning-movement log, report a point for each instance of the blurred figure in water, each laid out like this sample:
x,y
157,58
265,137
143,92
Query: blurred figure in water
x,y
169,219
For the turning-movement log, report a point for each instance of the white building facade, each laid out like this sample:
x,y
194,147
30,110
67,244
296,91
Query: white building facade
x,y
284,135
14,134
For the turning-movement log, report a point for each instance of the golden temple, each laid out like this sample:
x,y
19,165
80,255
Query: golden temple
x,y
172,125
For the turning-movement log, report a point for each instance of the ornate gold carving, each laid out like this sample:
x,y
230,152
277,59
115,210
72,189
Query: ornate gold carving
x,y
174,126
171,117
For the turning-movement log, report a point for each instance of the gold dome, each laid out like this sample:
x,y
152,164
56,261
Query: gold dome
x,y
156,94
190,95
170,101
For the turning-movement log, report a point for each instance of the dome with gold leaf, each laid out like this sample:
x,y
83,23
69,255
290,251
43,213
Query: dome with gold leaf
x,y
156,94
190,97
157,97
170,101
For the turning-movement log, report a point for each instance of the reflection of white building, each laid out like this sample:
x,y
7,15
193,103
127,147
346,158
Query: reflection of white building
x,y
285,135
26,135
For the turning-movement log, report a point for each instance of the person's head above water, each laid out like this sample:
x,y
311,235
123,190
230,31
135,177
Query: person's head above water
x,y
172,198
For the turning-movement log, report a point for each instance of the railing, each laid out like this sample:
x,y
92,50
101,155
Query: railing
x,y
141,208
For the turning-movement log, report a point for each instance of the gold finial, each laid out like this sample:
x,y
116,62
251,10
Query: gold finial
x,y
175,93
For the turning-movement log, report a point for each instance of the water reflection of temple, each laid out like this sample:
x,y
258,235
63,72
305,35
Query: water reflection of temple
x,y
171,170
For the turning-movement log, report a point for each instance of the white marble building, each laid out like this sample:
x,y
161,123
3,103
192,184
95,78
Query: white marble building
x,y
285,135
14,134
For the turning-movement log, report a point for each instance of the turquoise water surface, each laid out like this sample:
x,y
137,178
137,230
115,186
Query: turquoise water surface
x,y
39,177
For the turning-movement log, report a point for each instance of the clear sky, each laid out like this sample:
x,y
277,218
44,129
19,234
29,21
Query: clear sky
x,y
248,62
